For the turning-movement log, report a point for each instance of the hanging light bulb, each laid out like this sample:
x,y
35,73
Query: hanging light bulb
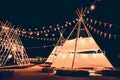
x,y
92,7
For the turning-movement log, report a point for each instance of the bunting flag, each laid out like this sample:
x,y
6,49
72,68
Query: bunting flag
x,y
110,25
29,29
100,23
97,31
105,34
70,23
94,30
61,26
105,24
110,36
87,19
65,25
57,25
95,22
91,28
101,33
48,30
43,27
73,21
91,20
50,26
45,30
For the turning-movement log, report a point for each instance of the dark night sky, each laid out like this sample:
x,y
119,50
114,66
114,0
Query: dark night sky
x,y
39,13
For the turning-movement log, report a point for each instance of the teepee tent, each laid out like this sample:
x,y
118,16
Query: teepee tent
x,y
56,49
81,52
11,46
88,55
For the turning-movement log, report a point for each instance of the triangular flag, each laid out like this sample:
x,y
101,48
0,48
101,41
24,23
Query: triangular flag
x,y
110,25
95,21
54,29
61,26
44,31
105,35
65,25
97,31
50,26
91,20
73,21
87,19
91,28
110,36
94,30
105,24
101,33
69,23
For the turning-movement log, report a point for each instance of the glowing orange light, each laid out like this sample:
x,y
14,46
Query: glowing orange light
x,y
9,56
92,7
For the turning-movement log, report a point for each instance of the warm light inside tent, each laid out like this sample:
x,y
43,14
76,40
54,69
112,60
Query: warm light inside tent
x,y
82,40
91,41
94,55
71,54
71,41
84,55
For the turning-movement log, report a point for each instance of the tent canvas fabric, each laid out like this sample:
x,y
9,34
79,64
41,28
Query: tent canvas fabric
x,y
53,54
83,44
64,59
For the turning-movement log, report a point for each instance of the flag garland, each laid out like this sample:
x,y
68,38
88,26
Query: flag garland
x,y
105,24
101,33
44,30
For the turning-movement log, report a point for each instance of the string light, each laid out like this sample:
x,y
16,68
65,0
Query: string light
x,y
92,7
45,46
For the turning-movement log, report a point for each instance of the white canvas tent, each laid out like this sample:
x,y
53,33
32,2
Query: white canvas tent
x,y
81,52
88,55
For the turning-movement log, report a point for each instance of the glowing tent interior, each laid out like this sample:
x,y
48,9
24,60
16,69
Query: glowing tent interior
x,y
56,49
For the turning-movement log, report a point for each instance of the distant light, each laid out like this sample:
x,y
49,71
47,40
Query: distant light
x,y
88,12
92,7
